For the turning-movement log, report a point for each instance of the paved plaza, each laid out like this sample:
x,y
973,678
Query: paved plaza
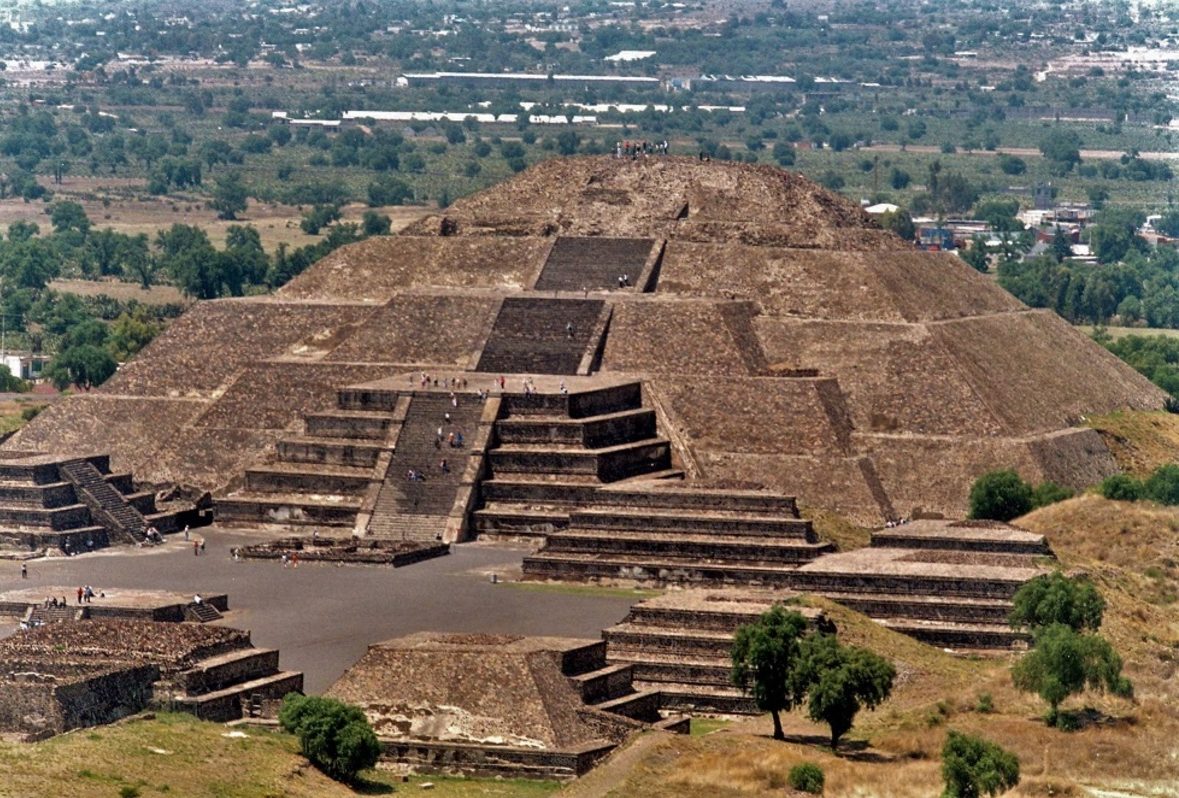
x,y
322,617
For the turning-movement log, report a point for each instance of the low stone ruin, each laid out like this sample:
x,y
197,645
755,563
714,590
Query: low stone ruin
x,y
62,676
498,704
367,551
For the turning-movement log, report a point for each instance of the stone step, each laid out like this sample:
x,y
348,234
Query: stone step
x,y
47,495
59,519
639,705
351,424
719,523
227,703
675,724
935,608
408,527
657,571
660,666
644,614
595,431
515,522
288,508
607,463
593,263
201,613
962,540
959,635
604,684
308,478
901,584
697,699
228,670
331,451
705,547
678,642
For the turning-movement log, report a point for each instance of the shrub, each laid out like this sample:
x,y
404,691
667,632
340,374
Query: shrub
x,y
1122,487
335,736
985,705
1000,496
1163,485
806,777
1049,493
972,766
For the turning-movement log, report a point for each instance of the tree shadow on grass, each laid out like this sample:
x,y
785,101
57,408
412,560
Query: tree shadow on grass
x,y
363,786
1080,719
851,750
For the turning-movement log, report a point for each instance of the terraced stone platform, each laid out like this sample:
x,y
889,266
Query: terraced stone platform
x,y
76,504
498,704
678,644
70,675
946,583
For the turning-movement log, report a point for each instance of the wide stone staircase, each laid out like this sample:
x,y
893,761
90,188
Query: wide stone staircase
x,y
679,644
949,584
593,263
608,686
73,504
417,509
40,614
542,336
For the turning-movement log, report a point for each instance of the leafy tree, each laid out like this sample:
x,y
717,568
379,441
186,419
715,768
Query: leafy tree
x,y
765,655
1063,662
976,255
375,224
388,191
229,196
899,222
1062,148
1122,487
1056,598
899,179
1000,496
67,216
22,231
1011,165
335,736
973,767
1162,485
244,246
84,366
1062,246
1168,223
130,333
1047,493
9,383
783,153
806,777
840,681
319,217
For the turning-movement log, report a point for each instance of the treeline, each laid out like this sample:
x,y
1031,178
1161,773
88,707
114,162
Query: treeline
x,y
1131,284
1155,357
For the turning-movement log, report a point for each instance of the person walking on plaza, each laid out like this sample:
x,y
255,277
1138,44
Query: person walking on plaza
x,y
24,571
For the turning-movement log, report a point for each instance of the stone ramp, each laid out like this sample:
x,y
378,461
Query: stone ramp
x,y
593,263
417,509
542,336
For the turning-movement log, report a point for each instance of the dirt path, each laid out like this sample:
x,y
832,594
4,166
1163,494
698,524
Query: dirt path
x,y
611,774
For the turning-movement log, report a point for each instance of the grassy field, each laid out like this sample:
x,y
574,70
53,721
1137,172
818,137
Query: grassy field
x,y
177,755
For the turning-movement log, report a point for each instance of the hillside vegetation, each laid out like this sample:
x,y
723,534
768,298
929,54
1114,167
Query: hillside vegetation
x,y
1125,748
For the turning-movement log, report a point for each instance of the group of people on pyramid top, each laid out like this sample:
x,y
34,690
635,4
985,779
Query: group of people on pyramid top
x,y
633,149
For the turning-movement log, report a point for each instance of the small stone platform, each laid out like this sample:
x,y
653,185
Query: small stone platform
x,y
142,605
62,676
947,583
368,551
498,704
76,504
679,644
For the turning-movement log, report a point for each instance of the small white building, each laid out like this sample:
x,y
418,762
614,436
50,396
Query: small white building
x,y
25,365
